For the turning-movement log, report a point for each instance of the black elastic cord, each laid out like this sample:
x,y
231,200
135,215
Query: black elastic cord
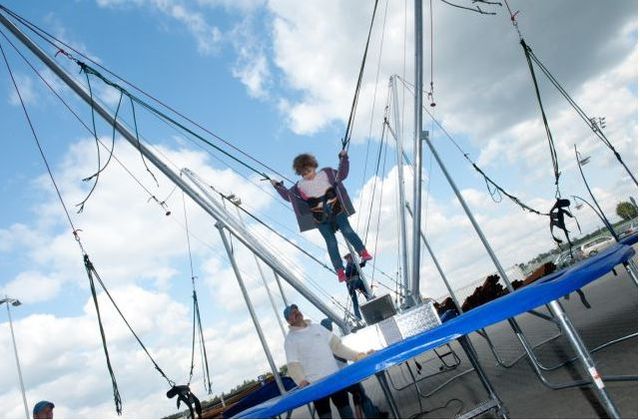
x,y
552,148
594,127
135,126
196,312
356,95
96,175
158,113
41,34
116,393
203,348
487,180
92,269
35,137
75,114
477,8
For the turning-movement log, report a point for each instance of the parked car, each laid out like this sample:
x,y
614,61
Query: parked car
x,y
629,231
595,245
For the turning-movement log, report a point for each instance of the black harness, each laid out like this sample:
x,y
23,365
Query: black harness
x,y
556,218
186,396
328,209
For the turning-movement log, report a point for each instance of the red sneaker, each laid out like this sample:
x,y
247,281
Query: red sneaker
x,y
342,277
365,256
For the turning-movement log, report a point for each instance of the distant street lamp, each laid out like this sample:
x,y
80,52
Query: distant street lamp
x,y
15,302
583,161
578,206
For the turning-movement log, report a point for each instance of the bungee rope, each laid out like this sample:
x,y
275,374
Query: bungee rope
x,y
196,314
96,175
354,104
552,148
47,37
92,274
86,127
477,9
75,232
488,181
558,211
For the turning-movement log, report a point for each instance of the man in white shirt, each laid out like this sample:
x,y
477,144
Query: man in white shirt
x,y
310,350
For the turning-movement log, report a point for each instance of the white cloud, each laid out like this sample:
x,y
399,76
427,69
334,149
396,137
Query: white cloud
x,y
33,287
208,37
252,70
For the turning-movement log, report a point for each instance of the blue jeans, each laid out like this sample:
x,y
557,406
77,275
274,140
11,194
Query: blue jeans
x,y
341,221
354,285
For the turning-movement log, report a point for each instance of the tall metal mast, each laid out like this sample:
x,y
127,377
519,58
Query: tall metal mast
x,y
401,195
417,156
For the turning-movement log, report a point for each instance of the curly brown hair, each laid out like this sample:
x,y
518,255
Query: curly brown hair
x,y
303,161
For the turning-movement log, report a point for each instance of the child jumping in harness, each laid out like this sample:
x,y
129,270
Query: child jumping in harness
x,y
320,200
355,284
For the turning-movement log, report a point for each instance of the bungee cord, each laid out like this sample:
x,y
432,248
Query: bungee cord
x,y
560,208
477,9
196,313
354,104
96,175
47,37
373,107
594,126
89,130
75,231
552,148
379,218
486,178
92,273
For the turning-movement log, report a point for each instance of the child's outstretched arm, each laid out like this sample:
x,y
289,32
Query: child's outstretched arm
x,y
279,186
343,166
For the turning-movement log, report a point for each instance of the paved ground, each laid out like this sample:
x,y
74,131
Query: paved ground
x,y
614,313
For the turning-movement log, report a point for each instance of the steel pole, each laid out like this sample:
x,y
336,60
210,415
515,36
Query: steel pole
x,y
585,358
472,219
284,297
417,157
15,352
439,268
401,195
264,280
254,318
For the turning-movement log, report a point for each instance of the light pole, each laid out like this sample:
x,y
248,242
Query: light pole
x,y
15,302
603,217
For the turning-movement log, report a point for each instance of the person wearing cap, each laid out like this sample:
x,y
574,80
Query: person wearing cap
x,y
43,410
310,351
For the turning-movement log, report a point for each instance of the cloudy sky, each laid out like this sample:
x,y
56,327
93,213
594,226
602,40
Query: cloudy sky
x,y
274,79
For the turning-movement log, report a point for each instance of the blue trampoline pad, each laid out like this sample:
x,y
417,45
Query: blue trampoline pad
x,y
544,290
630,240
